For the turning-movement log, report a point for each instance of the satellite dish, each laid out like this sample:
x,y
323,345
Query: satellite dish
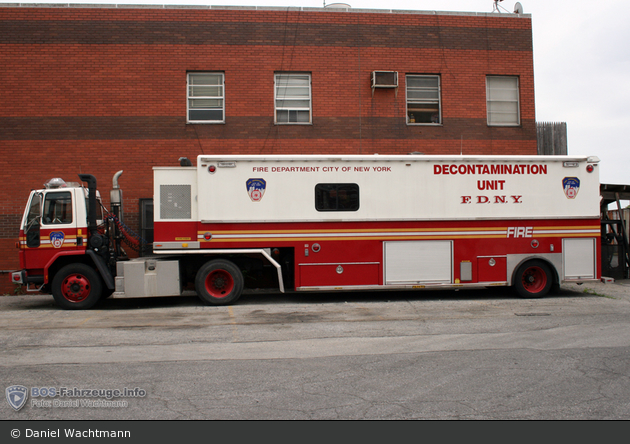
x,y
518,8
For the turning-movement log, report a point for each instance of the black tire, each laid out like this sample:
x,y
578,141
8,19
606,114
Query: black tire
x,y
106,292
77,287
219,282
533,279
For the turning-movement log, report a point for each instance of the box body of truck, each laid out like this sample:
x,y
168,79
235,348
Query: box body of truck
x,y
378,222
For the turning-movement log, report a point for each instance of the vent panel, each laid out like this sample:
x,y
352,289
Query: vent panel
x,y
175,202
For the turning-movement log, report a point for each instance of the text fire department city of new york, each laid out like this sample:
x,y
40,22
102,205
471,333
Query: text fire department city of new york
x,y
323,223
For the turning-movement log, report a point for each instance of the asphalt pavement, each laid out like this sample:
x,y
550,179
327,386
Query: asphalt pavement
x,y
475,354
618,288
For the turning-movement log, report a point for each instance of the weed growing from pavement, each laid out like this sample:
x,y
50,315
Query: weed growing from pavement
x,y
594,293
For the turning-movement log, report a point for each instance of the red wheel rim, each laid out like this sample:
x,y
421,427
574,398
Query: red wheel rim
x,y
534,279
219,283
76,288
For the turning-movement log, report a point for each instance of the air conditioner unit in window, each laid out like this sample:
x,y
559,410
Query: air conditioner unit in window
x,y
384,79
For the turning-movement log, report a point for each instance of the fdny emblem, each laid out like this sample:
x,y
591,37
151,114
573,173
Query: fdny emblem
x,y
56,238
571,186
256,189
16,396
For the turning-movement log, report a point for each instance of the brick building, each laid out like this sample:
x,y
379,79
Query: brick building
x,y
99,88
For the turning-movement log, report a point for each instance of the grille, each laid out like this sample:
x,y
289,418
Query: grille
x,y
174,201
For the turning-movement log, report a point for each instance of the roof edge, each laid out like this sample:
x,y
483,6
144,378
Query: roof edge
x,y
260,8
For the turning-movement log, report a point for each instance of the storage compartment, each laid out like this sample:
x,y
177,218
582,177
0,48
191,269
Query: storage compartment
x,y
146,278
578,256
415,262
492,269
339,274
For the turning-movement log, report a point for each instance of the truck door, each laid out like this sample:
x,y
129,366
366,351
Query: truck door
x,y
50,227
31,225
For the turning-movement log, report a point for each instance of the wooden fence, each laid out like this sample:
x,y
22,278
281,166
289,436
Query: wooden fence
x,y
552,138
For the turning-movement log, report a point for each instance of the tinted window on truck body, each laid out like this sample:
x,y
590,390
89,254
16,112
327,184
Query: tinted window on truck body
x,y
337,197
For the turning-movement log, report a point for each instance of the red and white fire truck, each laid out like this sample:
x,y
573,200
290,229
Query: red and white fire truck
x,y
323,223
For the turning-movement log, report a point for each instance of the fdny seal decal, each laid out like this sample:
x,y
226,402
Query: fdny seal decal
x,y
56,238
571,186
256,189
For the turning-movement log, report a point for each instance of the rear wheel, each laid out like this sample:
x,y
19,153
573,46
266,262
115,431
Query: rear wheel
x,y
76,287
219,282
533,279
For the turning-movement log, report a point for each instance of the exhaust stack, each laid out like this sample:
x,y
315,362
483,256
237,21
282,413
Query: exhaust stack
x,y
115,197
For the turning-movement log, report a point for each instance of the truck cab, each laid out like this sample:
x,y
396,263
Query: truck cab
x,y
53,234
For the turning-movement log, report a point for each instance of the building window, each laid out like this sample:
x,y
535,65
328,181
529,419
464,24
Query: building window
x,y
206,101
502,101
423,100
336,197
293,98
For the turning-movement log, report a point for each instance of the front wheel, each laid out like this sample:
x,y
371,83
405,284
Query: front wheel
x,y
219,282
533,279
76,287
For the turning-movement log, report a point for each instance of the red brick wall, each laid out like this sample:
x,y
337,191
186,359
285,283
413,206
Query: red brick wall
x,y
97,90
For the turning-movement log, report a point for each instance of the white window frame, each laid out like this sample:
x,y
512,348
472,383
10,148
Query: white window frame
x,y
417,102
220,97
288,98
499,99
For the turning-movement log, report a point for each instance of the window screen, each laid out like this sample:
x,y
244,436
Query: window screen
x,y
502,100
206,98
293,98
423,99
337,197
